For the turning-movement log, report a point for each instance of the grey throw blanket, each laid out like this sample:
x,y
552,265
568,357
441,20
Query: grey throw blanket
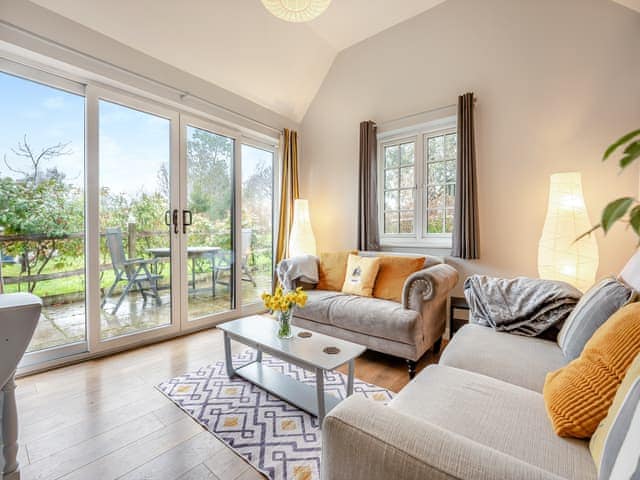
x,y
303,268
524,306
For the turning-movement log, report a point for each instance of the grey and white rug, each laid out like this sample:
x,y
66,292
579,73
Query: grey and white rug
x,y
275,437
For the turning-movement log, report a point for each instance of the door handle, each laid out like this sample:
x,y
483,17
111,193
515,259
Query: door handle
x,y
185,222
167,218
175,221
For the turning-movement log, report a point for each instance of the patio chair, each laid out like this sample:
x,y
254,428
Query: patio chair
x,y
133,271
224,260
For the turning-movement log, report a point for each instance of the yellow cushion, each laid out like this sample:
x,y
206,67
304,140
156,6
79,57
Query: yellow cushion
x,y
596,445
361,275
578,396
392,275
332,268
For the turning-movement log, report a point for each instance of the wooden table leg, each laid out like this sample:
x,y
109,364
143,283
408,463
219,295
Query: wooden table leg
x,y
10,470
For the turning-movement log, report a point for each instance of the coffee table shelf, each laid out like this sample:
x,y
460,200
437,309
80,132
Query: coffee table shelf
x,y
260,332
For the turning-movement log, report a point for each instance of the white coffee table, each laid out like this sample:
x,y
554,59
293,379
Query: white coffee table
x,y
260,332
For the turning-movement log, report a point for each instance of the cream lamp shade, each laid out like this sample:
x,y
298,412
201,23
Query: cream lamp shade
x,y
301,240
560,256
296,10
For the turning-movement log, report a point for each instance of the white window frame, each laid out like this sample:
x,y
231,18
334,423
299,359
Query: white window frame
x,y
417,134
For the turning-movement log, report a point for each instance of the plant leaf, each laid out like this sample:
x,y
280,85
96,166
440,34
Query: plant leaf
x,y
624,139
634,219
614,211
632,152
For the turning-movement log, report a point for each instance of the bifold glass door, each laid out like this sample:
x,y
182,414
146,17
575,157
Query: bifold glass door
x,y
130,219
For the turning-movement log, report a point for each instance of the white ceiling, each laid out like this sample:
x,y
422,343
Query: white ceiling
x,y
237,44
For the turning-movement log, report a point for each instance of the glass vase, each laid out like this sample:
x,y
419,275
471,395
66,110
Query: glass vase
x,y
284,322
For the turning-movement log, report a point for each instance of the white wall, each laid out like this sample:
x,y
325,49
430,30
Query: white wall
x,y
556,81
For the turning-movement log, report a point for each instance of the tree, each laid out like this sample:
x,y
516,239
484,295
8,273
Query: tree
x,y
36,160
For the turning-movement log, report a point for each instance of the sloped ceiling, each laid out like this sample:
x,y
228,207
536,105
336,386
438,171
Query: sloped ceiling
x,y
239,46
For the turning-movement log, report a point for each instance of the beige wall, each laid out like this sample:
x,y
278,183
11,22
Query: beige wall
x,y
556,81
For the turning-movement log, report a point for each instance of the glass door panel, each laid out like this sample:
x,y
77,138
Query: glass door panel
x,y
257,223
135,241
42,235
209,239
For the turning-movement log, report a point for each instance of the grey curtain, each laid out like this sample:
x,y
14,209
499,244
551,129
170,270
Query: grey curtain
x,y
368,235
465,229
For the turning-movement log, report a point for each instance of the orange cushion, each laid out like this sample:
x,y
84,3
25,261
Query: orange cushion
x,y
361,275
332,268
578,396
393,272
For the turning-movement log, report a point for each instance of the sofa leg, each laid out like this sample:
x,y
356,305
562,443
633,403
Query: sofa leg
x,y
437,346
411,365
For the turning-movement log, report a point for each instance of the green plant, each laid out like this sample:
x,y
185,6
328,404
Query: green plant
x,y
623,209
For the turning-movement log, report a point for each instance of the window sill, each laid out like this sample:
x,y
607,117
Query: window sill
x,y
439,243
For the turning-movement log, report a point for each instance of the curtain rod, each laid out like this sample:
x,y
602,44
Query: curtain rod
x,y
182,94
404,117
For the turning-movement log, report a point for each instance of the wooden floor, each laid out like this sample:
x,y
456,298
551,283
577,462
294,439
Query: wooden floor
x,y
103,419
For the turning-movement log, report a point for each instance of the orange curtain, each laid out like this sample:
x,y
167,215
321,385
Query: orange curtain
x,y
289,191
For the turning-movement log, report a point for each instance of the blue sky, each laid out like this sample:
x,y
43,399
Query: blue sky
x,y
133,144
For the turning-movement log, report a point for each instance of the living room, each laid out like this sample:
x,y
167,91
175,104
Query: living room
x,y
337,239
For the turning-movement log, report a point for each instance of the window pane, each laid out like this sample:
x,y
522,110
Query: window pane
x,y
392,156
391,200
42,205
407,177
407,199
391,179
406,222
435,148
450,146
391,222
449,221
257,213
451,195
407,153
435,197
435,173
450,169
434,221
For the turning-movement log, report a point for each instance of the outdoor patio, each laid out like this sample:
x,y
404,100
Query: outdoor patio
x,y
62,324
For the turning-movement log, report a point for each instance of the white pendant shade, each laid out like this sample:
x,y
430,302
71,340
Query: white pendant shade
x,y
296,10
560,257
301,239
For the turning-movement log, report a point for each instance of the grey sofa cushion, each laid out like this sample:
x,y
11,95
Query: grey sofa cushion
x,y
504,417
522,361
373,316
594,308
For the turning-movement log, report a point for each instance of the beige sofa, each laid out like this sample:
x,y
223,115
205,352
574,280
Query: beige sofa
x,y
405,330
478,414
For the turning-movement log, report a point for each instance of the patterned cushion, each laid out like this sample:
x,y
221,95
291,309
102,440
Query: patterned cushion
x,y
594,308
579,395
361,275
611,432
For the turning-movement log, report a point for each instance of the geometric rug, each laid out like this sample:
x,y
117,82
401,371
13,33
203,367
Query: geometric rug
x,y
278,439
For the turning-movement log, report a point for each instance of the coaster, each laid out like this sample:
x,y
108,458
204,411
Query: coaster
x,y
305,334
331,350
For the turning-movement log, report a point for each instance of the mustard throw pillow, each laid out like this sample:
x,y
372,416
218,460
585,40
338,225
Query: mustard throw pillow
x,y
361,275
597,443
393,272
578,396
332,268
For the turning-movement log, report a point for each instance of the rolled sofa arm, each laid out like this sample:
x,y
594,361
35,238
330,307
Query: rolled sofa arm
x,y
427,284
363,440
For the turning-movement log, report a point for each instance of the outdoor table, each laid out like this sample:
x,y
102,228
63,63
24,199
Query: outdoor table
x,y
193,253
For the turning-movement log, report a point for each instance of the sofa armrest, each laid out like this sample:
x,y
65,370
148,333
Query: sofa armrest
x,y
427,284
363,440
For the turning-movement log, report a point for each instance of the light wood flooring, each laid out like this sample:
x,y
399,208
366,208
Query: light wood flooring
x,y
103,419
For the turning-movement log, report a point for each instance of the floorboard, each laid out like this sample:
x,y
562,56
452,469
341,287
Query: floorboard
x,y
103,419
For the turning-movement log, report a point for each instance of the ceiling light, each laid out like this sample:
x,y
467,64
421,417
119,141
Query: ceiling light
x,y
296,10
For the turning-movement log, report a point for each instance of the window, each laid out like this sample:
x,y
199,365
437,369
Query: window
x,y
418,186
